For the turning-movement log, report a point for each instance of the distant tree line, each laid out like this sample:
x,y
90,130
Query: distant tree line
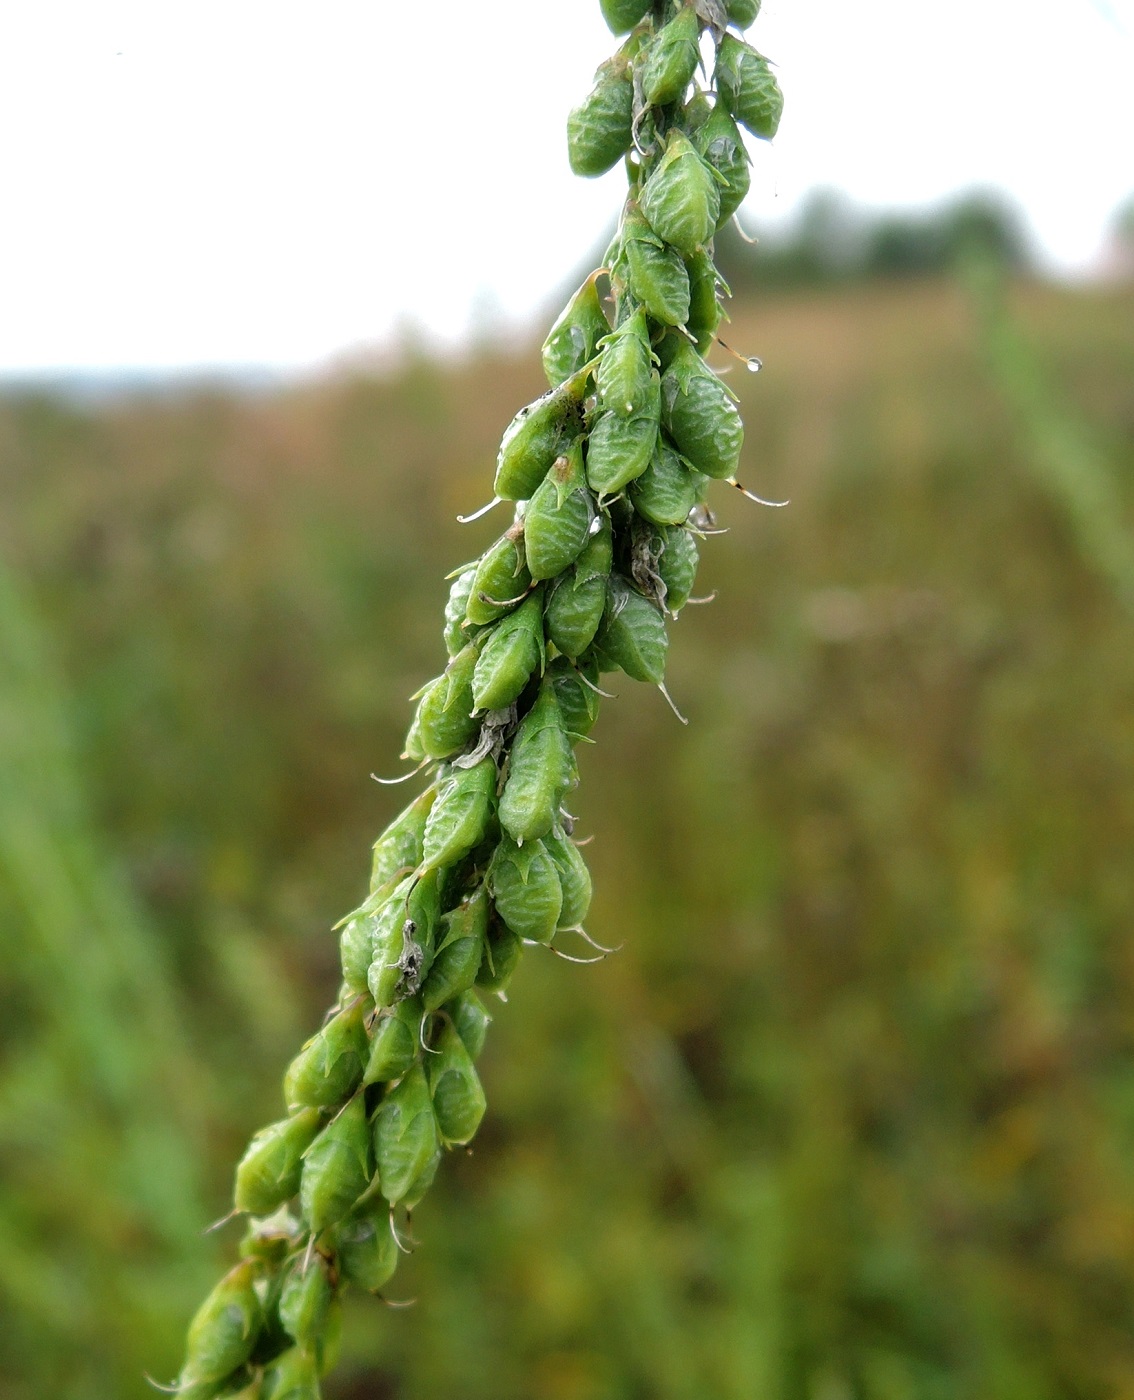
x,y
833,241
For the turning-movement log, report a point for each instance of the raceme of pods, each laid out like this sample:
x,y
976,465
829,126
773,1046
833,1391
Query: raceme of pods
x,y
608,473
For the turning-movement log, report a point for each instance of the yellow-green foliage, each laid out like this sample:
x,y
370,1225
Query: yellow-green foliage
x,y
852,1113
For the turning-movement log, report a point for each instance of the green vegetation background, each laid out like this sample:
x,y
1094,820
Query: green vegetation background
x,y
851,1114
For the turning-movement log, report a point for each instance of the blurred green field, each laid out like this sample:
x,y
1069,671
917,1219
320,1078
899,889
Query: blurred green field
x,y
850,1116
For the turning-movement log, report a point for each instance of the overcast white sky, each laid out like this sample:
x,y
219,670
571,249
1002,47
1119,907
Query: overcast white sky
x,y
227,182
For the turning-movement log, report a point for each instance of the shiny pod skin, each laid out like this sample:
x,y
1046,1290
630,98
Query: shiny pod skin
x,y
541,768
460,947
748,86
578,701
574,879
535,437
328,1068
699,414
268,1173
365,1248
572,340
502,955
500,579
456,608
622,15
471,1020
336,1168
669,488
394,1041
399,847
672,58
677,567
625,371
458,1097
224,1328
445,723
619,448
599,129
459,819
653,272
722,146
558,518
742,12
525,888
681,199
405,1135
704,305
575,601
633,634
512,651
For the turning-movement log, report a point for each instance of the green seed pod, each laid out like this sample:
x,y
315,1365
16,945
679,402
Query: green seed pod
x,y
699,415
399,848
502,954
456,607
573,613
268,1173
471,1021
625,371
576,600
742,12
704,307
394,1042
535,437
571,342
336,1167
305,1300
293,1375
459,951
270,1241
413,750
329,1066
541,768
578,702
512,652
695,113
654,273
444,713
501,577
403,939
677,567
681,199
632,635
458,820
599,129
669,488
559,516
623,15
356,941
748,86
405,1135
721,144
525,889
458,1096
365,1247
671,59
574,879
619,449
224,1328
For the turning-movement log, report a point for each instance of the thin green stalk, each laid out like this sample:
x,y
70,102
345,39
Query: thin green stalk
x,y
608,474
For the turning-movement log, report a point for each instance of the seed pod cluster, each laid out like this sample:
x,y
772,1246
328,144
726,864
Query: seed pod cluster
x,y
607,473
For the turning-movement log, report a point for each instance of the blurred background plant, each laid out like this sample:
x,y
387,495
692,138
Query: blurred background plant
x,y
852,1112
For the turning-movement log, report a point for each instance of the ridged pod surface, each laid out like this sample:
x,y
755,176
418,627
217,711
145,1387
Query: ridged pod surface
x,y
608,473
